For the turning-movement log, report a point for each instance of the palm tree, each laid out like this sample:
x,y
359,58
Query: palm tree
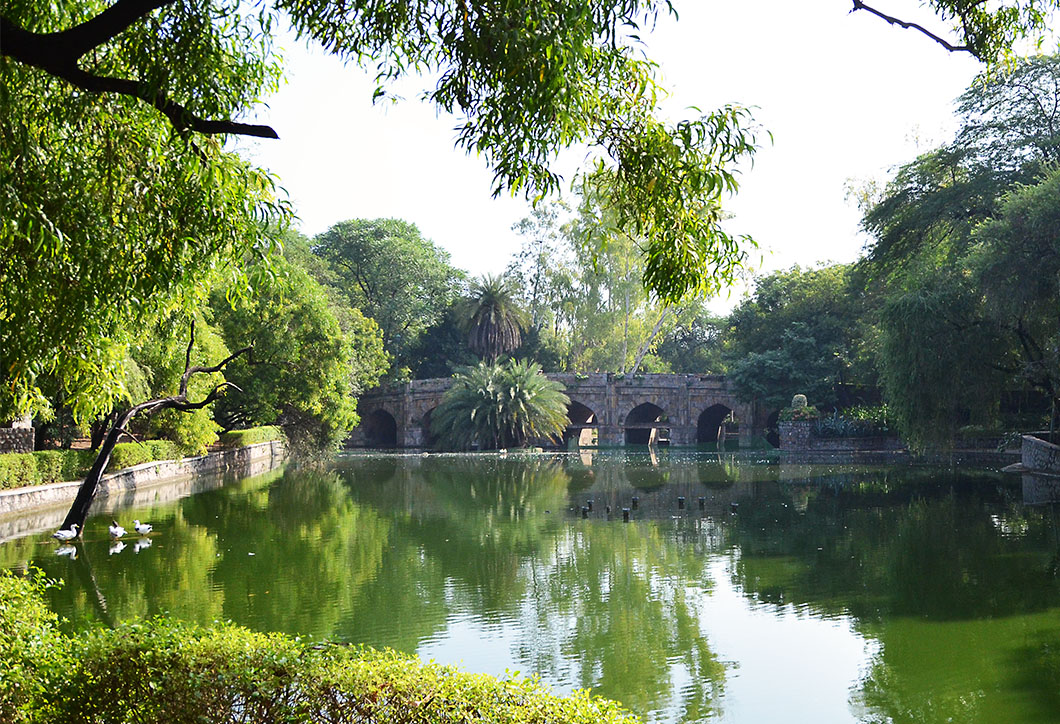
x,y
493,317
500,406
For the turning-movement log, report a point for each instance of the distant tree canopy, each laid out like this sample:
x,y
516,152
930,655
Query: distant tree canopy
x,y
385,268
800,331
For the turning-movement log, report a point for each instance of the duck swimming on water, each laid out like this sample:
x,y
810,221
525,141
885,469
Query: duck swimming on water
x,y
68,534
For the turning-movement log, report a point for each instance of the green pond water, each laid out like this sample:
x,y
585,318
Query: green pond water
x,y
778,593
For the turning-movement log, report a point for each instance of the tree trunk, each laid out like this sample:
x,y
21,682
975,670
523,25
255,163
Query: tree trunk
x,y
87,492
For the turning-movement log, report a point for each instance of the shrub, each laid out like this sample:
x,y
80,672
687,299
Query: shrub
x,y
795,414
131,454
854,422
43,467
251,436
17,470
165,671
499,406
163,450
33,654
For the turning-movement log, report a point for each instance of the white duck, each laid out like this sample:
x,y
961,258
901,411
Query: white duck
x,y
116,531
142,528
68,534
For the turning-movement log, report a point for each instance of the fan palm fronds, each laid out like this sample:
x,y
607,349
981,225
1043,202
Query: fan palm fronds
x,y
500,405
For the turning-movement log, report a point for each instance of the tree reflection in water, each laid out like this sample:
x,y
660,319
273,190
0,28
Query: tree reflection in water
x,y
949,574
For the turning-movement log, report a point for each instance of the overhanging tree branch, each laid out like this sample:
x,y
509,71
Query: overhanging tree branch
x,y
858,5
59,54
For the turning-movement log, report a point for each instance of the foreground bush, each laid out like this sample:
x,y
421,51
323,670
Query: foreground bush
x,y
162,671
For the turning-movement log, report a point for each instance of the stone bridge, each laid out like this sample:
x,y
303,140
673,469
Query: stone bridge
x,y
605,409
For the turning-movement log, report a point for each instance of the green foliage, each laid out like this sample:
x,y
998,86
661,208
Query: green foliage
x,y
251,436
499,406
798,414
493,318
386,269
43,467
156,365
131,454
108,216
166,671
801,330
991,31
305,370
34,656
967,255
50,465
442,348
849,425
17,470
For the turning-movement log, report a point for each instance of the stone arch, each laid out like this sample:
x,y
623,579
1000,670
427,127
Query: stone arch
x,y
772,428
711,422
584,424
380,429
428,437
644,425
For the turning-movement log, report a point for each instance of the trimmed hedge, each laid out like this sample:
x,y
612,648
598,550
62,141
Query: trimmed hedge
x,y
161,670
251,436
19,470
43,467
130,454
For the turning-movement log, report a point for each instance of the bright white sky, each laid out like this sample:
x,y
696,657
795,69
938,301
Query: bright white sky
x,y
845,96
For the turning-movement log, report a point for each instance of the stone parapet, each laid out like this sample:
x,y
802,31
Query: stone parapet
x,y
1040,456
795,434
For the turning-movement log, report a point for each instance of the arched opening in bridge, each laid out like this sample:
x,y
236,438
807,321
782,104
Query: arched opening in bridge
x,y
772,428
380,429
582,429
645,425
428,437
712,424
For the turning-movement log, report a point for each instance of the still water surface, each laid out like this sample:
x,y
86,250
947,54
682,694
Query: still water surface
x,y
778,593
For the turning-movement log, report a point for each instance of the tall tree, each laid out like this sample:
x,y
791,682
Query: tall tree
x,y
965,258
801,331
108,216
385,268
307,371
493,317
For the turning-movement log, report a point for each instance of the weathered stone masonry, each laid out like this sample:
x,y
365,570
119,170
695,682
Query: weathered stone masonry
x,y
685,409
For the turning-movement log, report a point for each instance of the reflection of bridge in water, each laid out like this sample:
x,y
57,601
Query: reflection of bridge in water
x,y
605,410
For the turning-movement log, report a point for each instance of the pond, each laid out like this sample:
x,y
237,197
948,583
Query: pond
x,y
741,590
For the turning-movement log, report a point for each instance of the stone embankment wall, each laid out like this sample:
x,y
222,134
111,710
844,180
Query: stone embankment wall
x,y
1040,456
132,485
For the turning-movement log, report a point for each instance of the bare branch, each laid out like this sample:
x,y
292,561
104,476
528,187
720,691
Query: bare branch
x,y
185,406
208,370
858,5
